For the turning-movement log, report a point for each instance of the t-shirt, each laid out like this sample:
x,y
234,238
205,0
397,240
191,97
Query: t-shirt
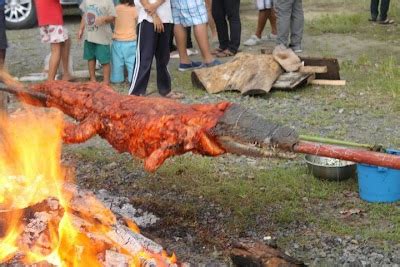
x,y
163,11
93,9
125,23
49,12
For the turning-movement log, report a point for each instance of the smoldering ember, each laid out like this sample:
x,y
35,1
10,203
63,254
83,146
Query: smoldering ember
x,y
266,147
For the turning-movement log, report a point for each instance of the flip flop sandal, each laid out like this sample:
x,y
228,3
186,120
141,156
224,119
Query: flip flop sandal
x,y
175,95
386,21
226,53
216,51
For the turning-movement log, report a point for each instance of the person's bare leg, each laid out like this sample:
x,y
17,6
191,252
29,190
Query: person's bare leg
x,y
106,74
211,22
65,49
92,70
262,20
54,60
2,58
180,40
272,20
200,32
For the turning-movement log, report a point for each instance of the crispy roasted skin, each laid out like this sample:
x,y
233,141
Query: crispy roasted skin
x,y
149,128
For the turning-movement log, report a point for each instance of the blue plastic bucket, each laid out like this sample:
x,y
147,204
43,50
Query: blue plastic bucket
x,y
379,184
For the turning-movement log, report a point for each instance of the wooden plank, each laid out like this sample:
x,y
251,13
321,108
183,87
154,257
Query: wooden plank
x,y
313,69
329,82
292,80
331,63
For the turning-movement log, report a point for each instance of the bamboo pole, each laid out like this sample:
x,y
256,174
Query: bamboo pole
x,y
338,142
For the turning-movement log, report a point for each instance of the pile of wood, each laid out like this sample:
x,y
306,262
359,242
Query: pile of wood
x,y
253,74
118,245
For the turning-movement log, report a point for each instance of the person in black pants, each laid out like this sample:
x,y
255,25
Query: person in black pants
x,y
228,42
379,13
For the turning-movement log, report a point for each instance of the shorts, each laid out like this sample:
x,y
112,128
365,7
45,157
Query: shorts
x,y
3,36
264,4
53,34
123,54
189,12
100,52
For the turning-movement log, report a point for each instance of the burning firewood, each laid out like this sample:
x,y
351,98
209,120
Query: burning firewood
x,y
45,221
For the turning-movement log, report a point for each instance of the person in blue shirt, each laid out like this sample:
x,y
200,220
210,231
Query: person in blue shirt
x,y
3,36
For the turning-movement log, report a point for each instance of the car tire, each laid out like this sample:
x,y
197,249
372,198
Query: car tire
x,y
20,15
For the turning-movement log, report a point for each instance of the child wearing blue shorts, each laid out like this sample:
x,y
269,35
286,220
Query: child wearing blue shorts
x,y
123,48
96,19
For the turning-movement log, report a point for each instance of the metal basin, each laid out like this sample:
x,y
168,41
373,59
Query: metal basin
x,y
330,169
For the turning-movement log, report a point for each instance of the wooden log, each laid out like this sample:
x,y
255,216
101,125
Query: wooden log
x,y
250,74
331,63
313,69
132,242
115,259
246,252
292,80
329,82
288,59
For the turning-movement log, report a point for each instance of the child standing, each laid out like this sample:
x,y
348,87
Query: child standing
x,y
53,32
265,12
123,48
97,18
155,23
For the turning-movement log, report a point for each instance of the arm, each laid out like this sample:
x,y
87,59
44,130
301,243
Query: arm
x,y
81,27
104,20
151,8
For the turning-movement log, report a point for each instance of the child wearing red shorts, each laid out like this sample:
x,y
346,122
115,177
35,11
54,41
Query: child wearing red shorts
x,y
53,32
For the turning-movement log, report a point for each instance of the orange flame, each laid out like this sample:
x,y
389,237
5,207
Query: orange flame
x,y
30,172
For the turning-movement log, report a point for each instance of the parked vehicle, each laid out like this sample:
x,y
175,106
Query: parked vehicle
x,y
21,14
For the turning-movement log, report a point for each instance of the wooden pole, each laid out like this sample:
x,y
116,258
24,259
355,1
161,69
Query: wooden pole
x,y
350,154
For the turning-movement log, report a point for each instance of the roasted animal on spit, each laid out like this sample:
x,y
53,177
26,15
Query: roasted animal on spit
x,y
155,129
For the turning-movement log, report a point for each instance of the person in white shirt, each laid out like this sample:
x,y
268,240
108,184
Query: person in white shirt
x,y
155,25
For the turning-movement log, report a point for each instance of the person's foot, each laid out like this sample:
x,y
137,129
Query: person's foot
x,y
216,51
226,53
189,66
386,21
174,54
297,49
213,63
192,51
372,19
68,77
273,37
253,40
174,95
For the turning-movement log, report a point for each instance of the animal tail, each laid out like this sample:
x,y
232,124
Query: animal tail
x,y
20,91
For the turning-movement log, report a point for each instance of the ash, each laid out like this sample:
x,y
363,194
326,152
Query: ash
x,y
122,207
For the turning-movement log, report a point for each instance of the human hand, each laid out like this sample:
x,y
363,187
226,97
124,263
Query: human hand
x,y
151,9
158,25
100,21
80,34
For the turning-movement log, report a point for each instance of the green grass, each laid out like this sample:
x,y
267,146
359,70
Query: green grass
x,y
355,24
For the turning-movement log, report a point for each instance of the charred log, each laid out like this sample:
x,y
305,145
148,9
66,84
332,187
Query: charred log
x,y
247,253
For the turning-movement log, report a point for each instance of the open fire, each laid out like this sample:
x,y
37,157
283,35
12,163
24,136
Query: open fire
x,y
45,219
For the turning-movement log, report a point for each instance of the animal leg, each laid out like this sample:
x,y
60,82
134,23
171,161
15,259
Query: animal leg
x,y
79,133
157,158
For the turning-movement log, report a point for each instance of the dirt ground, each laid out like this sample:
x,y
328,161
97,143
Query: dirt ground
x,y
205,204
